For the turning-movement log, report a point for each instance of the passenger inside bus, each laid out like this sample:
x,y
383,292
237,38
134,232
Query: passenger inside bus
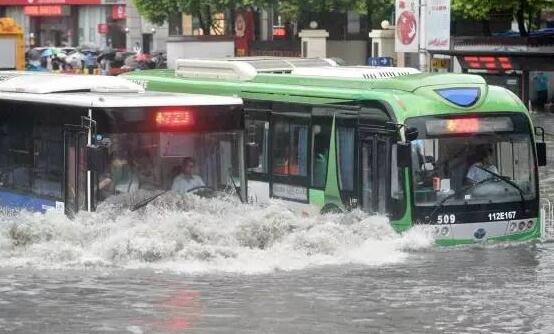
x,y
186,181
121,178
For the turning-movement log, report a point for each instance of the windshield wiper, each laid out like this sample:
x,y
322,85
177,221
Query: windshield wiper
x,y
147,200
507,180
237,189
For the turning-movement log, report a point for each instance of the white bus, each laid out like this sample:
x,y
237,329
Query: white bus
x,y
70,142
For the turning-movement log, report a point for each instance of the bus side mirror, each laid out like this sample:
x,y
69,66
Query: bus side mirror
x,y
404,154
252,155
411,134
541,154
97,158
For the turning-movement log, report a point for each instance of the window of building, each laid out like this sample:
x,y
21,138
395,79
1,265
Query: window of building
x,y
175,24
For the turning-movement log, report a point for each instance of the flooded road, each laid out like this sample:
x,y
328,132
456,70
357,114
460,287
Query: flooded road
x,y
226,268
474,290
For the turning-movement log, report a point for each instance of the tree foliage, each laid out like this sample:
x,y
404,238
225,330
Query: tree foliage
x,y
524,11
303,11
160,11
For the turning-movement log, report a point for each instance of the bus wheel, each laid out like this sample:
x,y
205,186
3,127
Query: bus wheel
x,y
331,208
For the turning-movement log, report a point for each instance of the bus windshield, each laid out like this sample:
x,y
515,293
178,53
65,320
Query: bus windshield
x,y
473,168
147,164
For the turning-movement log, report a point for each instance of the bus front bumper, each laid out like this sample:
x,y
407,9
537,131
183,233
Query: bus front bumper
x,y
486,232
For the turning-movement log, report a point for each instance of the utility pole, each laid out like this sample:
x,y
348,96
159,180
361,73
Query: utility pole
x,y
423,66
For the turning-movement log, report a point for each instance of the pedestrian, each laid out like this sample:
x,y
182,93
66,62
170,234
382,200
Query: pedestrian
x,y
49,65
90,62
541,87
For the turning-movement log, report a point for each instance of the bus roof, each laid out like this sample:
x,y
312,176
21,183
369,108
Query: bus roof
x,y
313,72
424,93
355,72
96,91
245,68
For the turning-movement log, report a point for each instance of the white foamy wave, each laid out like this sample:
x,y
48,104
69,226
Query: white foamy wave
x,y
197,235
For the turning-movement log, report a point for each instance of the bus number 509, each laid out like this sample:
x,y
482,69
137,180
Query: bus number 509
x,y
446,219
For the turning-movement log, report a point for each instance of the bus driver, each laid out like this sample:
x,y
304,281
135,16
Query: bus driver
x,y
478,171
186,181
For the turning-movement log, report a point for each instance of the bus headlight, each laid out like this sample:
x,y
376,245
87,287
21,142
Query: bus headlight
x,y
530,224
513,227
522,226
445,230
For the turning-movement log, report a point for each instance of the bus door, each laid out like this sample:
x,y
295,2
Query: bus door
x,y
75,169
257,135
375,171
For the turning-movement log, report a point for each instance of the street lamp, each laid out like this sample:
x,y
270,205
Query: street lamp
x,y
313,25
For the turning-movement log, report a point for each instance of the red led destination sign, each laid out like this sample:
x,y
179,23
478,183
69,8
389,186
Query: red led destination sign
x,y
469,125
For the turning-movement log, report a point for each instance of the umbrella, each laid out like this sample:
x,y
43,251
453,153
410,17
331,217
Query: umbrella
x,y
75,59
33,54
131,61
49,52
107,53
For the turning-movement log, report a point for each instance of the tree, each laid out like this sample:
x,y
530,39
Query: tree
x,y
376,11
524,11
161,11
303,11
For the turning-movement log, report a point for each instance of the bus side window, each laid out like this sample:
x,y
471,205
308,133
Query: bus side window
x,y
258,133
345,154
17,153
290,148
49,157
321,137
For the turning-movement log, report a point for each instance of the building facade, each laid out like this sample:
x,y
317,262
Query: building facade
x,y
98,23
143,34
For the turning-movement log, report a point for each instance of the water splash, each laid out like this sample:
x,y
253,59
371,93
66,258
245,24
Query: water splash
x,y
198,235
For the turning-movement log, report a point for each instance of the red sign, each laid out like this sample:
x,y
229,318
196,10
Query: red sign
x,y
102,28
119,12
244,31
489,63
407,27
279,31
43,10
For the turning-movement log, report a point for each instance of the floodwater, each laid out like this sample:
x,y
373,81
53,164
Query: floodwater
x,y
190,265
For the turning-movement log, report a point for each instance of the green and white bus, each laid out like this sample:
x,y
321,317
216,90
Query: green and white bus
x,y
444,150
